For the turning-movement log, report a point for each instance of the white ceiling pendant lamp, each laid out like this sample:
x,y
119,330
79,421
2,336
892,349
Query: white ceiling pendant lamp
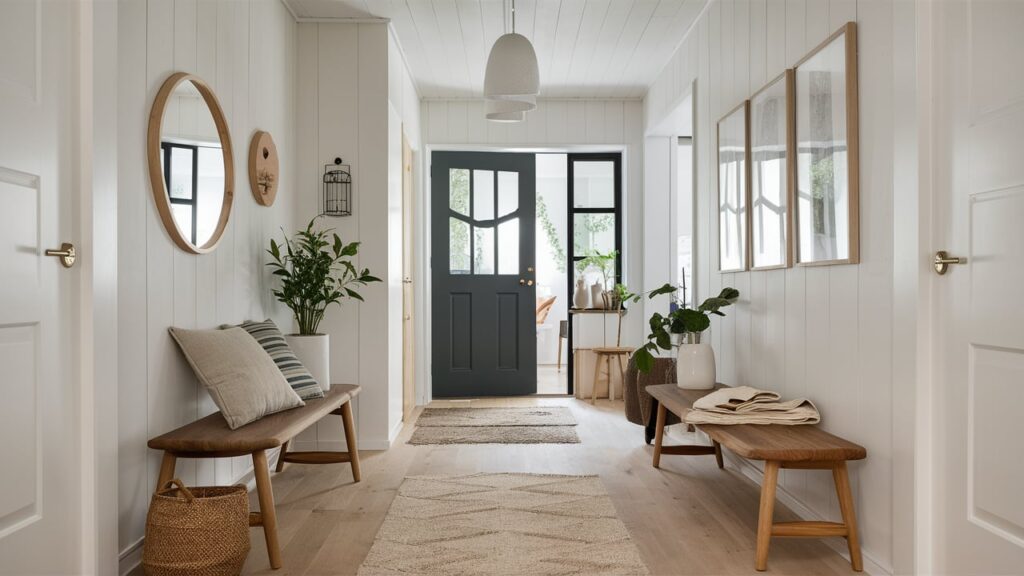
x,y
512,76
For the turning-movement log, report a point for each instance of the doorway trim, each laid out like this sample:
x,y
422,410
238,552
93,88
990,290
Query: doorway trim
x,y
423,293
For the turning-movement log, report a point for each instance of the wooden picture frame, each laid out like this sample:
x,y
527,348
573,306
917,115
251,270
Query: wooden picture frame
x,y
826,167
772,140
734,190
156,173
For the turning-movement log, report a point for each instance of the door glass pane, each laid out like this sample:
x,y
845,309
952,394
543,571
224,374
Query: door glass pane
x,y
508,193
458,239
593,233
483,250
593,184
508,247
181,173
182,214
458,193
483,195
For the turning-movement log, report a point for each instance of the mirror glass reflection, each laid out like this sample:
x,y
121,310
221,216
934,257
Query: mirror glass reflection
x,y
192,159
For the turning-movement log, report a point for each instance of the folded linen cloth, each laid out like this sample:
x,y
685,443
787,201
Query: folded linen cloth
x,y
746,405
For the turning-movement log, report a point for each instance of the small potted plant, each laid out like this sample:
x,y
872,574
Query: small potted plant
x,y
682,329
316,270
602,292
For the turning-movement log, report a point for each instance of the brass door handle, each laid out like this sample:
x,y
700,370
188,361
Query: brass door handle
x,y
66,254
943,260
524,282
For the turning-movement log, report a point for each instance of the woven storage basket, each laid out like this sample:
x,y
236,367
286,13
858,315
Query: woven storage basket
x,y
200,531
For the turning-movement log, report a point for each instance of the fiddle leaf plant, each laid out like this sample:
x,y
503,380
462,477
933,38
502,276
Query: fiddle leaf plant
x,y
682,320
316,270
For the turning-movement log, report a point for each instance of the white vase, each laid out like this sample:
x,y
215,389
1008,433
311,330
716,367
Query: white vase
x,y
315,354
581,299
695,366
596,296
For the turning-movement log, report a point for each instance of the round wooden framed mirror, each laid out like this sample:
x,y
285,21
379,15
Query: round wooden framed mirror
x,y
190,163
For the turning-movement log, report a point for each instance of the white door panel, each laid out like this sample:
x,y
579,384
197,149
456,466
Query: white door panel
x,y
40,507
979,327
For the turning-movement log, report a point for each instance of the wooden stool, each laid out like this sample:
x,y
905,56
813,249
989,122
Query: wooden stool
x,y
606,354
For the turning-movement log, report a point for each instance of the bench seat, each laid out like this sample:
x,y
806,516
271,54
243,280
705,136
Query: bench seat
x,y
210,437
780,446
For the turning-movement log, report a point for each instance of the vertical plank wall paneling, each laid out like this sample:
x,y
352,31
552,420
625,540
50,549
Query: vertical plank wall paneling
x,y
820,332
246,52
554,124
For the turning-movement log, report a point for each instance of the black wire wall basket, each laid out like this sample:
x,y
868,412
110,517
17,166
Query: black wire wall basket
x,y
337,189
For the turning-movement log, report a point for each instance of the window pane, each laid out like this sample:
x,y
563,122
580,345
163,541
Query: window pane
x,y
210,196
181,173
508,193
593,184
593,233
483,250
483,195
458,240
458,192
508,247
182,214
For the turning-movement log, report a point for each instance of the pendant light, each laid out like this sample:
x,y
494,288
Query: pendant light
x,y
512,74
507,110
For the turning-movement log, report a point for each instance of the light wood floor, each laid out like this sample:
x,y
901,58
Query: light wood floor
x,y
687,518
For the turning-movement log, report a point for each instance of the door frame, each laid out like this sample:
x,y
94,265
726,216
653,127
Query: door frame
x,y
95,179
424,292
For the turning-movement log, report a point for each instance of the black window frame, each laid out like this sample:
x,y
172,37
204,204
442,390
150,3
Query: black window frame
x,y
166,148
572,211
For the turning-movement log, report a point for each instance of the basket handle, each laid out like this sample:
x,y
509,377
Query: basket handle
x,y
170,484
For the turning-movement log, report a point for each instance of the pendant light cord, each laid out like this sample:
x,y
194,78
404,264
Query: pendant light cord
x,y
513,16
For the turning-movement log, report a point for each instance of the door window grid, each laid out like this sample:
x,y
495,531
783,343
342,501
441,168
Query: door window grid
x,y
483,245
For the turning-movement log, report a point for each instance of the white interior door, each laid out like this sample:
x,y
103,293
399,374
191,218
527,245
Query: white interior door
x,y
40,516
979,316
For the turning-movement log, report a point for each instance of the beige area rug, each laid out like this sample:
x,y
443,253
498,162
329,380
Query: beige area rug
x,y
490,524
532,425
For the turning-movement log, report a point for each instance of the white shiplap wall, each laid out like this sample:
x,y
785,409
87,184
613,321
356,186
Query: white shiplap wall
x,y
820,332
557,124
246,52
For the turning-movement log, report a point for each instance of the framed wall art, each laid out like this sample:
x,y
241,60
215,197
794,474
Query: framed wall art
x,y
733,191
771,139
826,206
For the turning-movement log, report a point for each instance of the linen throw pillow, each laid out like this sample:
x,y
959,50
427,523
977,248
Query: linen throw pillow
x,y
240,377
294,371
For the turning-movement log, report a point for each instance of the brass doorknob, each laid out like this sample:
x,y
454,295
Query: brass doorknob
x,y
522,282
943,260
66,254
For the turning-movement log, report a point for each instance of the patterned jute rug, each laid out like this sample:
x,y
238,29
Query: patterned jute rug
x,y
532,425
490,524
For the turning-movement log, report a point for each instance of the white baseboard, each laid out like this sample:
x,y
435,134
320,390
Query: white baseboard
x,y
395,431
871,566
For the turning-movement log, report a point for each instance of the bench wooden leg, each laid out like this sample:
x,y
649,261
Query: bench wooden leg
x,y
280,457
659,432
350,439
764,518
718,454
842,479
597,375
166,470
267,512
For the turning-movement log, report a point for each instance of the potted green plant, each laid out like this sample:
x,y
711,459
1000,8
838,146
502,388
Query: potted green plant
x,y
315,269
601,292
682,329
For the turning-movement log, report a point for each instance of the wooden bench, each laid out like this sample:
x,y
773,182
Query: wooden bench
x,y
780,446
210,437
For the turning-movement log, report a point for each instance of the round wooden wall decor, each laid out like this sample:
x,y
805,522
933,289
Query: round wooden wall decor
x,y
264,168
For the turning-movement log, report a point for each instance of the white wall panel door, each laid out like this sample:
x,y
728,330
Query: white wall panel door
x,y
39,416
979,329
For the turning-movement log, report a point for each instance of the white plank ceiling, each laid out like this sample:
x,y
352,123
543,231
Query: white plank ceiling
x,y
585,48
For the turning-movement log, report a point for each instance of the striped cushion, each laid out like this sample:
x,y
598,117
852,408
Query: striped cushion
x,y
271,339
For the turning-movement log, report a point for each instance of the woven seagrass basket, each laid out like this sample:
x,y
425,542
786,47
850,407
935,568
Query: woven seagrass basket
x,y
199,531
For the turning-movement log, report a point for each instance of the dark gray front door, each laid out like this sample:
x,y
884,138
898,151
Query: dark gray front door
x,y
484,299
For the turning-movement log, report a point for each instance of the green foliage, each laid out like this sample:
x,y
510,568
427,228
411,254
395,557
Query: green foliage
x,y
458,231
681,321
588,227
603,263
552,233
315,272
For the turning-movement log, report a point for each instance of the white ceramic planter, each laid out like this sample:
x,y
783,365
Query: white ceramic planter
x,y
315,353
695,367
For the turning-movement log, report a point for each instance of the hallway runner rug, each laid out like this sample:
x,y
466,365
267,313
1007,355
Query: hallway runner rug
x,y
491,524
529,425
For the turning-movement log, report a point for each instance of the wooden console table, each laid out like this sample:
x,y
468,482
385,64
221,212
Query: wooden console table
x,y
780,446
